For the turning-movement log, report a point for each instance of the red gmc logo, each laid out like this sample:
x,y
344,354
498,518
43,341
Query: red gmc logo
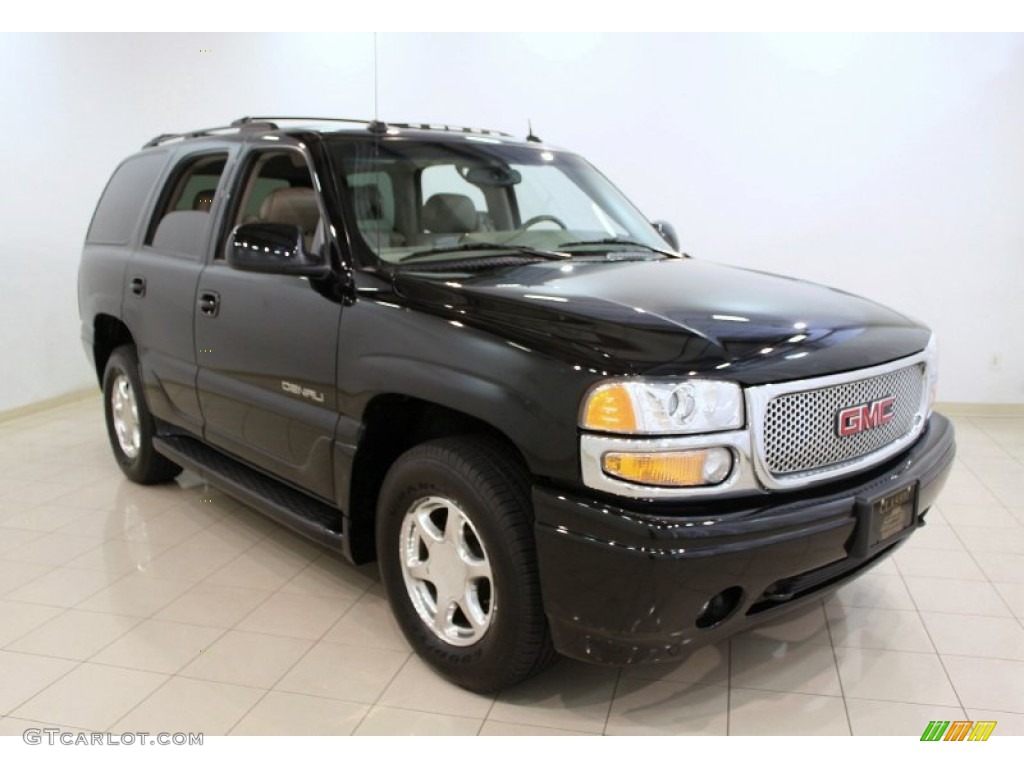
x,y
860,418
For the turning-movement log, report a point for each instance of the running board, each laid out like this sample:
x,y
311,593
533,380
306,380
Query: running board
x,y
282,503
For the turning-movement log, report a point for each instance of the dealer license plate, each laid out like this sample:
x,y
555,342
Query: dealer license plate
x,y
893,513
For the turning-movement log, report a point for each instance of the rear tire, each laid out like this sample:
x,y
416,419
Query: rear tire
x,y
130,425
457,557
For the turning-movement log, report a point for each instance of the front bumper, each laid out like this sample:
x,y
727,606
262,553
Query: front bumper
x,y
624,585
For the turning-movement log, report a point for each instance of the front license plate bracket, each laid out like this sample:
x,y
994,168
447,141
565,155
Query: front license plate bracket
x,y
882,519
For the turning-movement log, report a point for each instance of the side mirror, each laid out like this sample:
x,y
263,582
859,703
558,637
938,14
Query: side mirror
x,y
668,233
277,249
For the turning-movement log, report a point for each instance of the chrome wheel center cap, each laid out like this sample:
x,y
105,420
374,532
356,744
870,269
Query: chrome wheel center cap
x,y
447,570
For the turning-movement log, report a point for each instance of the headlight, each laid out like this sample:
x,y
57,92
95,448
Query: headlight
x,y
659,407
931,372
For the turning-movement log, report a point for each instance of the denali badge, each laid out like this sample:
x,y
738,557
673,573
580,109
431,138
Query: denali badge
x,y
860,418
295,389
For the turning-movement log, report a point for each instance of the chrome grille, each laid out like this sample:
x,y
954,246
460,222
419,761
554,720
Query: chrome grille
x,y
799,428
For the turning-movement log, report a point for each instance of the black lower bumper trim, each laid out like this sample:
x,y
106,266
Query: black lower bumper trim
x,y
795,587
622,585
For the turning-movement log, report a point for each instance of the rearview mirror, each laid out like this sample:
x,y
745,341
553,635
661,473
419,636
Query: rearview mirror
x,y
277,249
493,176
667,232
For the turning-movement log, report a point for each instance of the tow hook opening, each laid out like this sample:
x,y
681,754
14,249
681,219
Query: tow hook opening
x,y
719,608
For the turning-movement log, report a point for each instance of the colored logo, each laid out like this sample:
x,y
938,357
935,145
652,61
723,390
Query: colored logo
x,y
958,730
861,418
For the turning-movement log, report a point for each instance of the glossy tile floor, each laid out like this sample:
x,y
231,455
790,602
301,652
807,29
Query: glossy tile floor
x,y
175,609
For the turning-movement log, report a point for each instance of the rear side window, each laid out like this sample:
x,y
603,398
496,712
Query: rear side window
x,y
121,203
182,219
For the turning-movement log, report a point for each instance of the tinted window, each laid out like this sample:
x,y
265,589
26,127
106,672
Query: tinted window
x,y
373,197
450,194
182,219
267,174
261,188
278,187
122,200
446,180
197,191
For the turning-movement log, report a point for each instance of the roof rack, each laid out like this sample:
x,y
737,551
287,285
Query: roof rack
x,y
245,124
451,128
244,121
374,125
261,123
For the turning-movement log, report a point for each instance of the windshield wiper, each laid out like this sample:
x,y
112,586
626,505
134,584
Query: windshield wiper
x,y
619,241
522,249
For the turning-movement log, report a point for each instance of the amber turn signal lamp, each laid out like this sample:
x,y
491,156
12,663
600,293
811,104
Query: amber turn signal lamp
x,y
610,409
706,466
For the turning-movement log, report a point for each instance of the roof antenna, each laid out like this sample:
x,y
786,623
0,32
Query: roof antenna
x,y
375,126
529,135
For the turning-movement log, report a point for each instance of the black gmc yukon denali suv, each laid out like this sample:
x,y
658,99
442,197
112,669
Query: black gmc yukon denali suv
x,y
472,359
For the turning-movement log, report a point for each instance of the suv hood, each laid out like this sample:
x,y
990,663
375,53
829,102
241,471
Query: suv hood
x,y
672,316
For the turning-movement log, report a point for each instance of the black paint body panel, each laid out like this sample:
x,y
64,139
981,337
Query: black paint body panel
x,y
673,316
270,329
162,325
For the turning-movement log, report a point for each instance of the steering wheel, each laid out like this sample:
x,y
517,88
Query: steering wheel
x,y
540,219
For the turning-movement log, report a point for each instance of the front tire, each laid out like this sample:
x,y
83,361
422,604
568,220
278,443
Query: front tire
x,y
457,558
130,425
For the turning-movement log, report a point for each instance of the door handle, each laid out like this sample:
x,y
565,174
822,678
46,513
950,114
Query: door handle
x,y
138,286
209,303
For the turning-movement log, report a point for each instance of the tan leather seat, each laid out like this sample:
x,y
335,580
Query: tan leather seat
x,y
293,205
446,213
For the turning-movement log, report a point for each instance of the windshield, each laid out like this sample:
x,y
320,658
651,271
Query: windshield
x,y
420,201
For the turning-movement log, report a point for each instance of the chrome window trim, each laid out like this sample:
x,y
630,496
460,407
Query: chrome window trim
x,y
741,478
757,403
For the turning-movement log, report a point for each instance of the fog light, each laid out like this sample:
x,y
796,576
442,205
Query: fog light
x,y
705,466
718,608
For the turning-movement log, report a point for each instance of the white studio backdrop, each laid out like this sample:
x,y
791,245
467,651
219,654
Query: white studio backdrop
x,y
890,166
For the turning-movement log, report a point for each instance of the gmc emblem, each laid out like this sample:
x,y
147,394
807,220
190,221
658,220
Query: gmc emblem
x,y
860,418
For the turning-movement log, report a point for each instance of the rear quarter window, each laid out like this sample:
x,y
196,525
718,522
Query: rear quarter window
x,y
121,204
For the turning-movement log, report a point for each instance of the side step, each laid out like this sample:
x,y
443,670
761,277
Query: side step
x,y
293,509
